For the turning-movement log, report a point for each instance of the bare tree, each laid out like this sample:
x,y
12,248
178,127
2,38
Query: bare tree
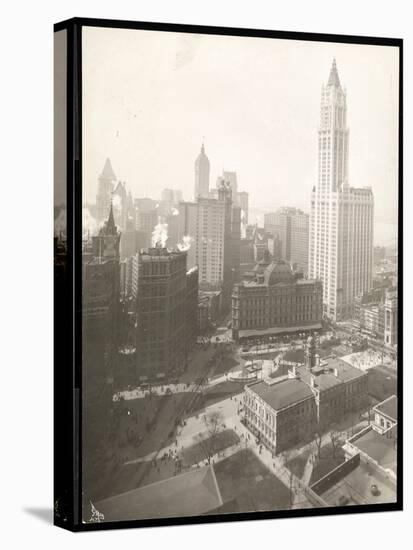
x,y
285,457
369,409
318,438
214,423
335,441
244,450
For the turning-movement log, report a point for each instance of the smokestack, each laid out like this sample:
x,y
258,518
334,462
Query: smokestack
x,y
312,381
336,372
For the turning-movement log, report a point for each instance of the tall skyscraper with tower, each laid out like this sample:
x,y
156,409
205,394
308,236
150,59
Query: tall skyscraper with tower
x,y
201,175
106,185
341,217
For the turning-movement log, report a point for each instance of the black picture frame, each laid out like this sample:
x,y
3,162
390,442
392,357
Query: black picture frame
x,y
67,312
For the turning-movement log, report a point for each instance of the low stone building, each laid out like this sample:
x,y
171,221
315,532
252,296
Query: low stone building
x,y
289,410
280,413
385,414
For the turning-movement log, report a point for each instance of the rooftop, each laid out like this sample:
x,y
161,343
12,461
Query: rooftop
x,y
356,488
380,448
307,281
388,407
190,494
325,376
282,394
158,253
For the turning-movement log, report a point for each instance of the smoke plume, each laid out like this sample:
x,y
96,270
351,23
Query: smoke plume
x,y
185,244
160,234
89,224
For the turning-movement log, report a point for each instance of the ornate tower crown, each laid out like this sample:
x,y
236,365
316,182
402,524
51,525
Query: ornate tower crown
x,y
334,79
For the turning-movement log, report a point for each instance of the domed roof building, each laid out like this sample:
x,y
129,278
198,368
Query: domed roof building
x,y
263,264
278,271
274,301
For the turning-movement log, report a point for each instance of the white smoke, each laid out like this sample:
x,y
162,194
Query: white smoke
x,y
175,212
89,224
185,244
160,234
243,225
116,201
60,223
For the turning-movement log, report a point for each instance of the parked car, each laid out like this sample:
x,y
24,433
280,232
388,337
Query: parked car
x,y
375,491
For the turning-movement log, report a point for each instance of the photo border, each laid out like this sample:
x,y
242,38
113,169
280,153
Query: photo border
x,y
69,471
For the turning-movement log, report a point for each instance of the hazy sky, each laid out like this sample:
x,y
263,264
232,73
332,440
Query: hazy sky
x,y
150,97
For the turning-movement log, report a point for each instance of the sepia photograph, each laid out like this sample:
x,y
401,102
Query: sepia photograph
x,y
239,263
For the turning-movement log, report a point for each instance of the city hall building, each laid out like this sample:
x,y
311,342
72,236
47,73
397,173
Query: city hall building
x,y
289,410
274,300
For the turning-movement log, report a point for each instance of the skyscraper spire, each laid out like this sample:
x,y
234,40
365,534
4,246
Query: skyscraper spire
x,y
110,224
107,172
201,174
106,182
333,79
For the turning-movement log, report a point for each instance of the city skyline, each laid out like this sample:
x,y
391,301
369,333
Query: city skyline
x,y
167,158
252,366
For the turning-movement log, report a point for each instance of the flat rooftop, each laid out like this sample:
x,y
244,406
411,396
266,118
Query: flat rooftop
x,y
380,448
356,488
388,407
190,494
325,378
282,394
